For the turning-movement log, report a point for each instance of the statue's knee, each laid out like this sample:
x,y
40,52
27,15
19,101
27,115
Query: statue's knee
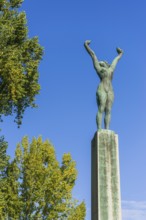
x,y
108,111
101,109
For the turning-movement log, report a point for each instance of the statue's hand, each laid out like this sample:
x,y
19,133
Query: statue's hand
x,y
119,51
87,42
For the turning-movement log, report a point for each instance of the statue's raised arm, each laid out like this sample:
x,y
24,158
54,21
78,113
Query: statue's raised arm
x,y
117,58
93,56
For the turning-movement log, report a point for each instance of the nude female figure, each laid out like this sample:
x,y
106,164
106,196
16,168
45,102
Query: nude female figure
x,y
104,93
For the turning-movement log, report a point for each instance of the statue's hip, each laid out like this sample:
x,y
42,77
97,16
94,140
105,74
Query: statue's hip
x,y
105,92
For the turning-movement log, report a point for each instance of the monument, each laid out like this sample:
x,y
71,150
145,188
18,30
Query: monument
x,y
105,175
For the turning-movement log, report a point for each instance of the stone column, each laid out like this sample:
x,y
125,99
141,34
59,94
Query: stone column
x,y
105,180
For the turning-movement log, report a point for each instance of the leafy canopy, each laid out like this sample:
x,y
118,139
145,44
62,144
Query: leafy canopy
x,y
19,60
38,187
3,165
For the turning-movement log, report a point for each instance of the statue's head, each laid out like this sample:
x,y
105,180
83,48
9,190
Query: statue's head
x,y
104,64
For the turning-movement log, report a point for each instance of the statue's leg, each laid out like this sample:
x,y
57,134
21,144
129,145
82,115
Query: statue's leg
x,y
107,118
108,108
99,116
101,102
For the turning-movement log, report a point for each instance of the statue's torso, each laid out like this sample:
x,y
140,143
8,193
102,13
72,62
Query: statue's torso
x,y
106,79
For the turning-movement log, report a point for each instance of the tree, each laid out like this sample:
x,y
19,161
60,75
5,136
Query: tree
x,y
78,212
9,185
19,60
38,187
4,159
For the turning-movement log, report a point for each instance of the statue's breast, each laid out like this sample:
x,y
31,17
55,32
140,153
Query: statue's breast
x,y
105,73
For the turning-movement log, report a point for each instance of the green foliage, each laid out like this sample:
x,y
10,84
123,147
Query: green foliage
x,y
78,212
13,203
3,156
9,185
38,187
3,166
19,60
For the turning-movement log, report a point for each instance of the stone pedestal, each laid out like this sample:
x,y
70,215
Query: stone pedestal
x,y
105,182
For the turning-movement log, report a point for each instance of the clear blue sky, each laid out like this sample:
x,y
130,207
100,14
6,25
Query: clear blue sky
x,y
67,103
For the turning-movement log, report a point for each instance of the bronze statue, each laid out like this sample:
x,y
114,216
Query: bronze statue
x,y
104,94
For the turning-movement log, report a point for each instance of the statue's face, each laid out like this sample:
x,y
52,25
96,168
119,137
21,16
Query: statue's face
x,y
104,64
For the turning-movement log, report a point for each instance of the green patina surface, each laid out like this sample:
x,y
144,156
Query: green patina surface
x,y
105,93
